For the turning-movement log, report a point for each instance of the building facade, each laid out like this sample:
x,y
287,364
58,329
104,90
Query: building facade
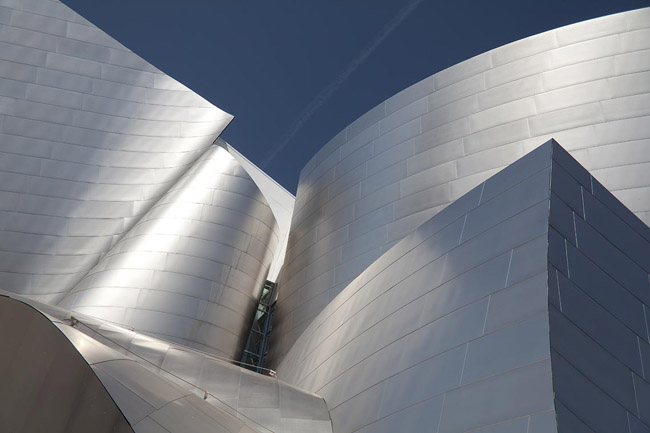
x,y
586,85
471,255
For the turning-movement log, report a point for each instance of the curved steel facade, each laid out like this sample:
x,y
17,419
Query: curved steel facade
x,y
264,403
409,298
586,85
91,136
192,269
55,391
519,307
103,389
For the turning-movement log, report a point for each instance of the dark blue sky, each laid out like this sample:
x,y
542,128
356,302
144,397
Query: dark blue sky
x,y
268,62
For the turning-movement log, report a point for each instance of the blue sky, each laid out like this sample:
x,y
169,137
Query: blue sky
x,y
296,72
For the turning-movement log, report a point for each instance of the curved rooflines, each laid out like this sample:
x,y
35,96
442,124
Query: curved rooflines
x,y
585,85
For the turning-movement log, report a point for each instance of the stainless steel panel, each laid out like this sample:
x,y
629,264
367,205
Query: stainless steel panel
x,y
407,387
521,344
131,215
517,303
597,408
403,115
426,413
609,374
531,385
480,299
188,256
47,385
501,104
78,56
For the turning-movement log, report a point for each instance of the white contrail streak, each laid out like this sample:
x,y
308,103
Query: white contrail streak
x,y
325,94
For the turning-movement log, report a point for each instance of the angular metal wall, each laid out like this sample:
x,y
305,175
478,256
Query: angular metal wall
x,y
91,136
448,330
599,295
192,269
521,307
587,85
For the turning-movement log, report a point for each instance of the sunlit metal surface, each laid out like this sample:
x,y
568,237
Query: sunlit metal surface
x,y
586,85
462,325
149,401
280,201
91,136
416,300
192,269
262,402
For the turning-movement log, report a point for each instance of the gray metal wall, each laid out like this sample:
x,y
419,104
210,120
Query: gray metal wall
x,y
448,331
46,385
91,136
150,402
192,269
587,85
263,402
521,307
599,294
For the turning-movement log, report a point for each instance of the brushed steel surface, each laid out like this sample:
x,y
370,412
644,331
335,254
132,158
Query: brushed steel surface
x,y
587,85
525,299
91,137
46,384
410,331
192,268
417,288
262,402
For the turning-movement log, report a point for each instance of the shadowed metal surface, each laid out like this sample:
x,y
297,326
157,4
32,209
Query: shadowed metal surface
x,y
192,269
451,329
587,85
148,401
599,299
91,136
46,384
262,402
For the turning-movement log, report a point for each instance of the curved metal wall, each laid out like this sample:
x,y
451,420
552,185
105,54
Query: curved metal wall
x,y
192,269
279,199
263,402
46,385
448,331
586,85
91,136
91,387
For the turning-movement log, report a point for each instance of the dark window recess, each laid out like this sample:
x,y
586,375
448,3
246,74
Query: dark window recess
x,y
257,344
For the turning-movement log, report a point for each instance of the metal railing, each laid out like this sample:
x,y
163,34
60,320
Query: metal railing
x,y
257,344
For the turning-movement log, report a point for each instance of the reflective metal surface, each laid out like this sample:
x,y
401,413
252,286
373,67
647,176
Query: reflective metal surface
x,y
262,402
452,326
150,402
599,297
46,385
192,268
279,199
417,300
586,85
91,136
